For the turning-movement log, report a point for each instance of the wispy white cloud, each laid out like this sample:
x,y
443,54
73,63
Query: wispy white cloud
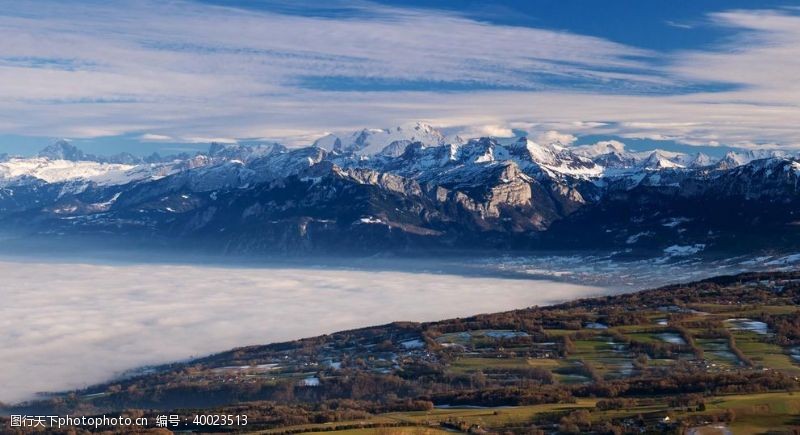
x,y
493,130
189,71
553,136
196,139
78,324
678,25
150,137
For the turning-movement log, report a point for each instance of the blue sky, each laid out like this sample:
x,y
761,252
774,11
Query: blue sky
x,y
171,76
654,25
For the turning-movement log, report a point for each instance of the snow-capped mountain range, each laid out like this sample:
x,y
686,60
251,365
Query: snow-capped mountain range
x,y
388,142
408,187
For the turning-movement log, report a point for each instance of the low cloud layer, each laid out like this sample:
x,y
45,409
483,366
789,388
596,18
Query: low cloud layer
x,y
68,326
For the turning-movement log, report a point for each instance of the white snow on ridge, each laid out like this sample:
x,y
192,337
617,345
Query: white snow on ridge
x,y
368,142
599,148
386,150
370,220
58,171
551,157
53,171
585,172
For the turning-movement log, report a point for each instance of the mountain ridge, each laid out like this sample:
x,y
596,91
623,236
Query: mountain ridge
x,y
481,193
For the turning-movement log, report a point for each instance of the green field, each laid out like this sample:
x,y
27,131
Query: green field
x,y
467,365
424,419
609,359
765,354
754,414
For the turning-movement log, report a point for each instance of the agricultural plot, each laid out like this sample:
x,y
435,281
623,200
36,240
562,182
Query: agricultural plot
x,y
475,364
607,358
760,413
755,413
764,354
420,422
718,353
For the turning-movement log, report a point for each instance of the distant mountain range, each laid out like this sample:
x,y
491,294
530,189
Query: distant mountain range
x,y
411,188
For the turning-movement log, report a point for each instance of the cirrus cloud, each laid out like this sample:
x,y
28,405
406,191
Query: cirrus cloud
x,y
193,71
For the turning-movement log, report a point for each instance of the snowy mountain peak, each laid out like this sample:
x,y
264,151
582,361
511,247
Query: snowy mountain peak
x,y
62,150
396,148
483,150
535,152
660,159
600,148
369,142
698,160
733,159
217,148
241,152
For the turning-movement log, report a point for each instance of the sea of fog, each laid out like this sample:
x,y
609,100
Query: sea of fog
x,y
67,325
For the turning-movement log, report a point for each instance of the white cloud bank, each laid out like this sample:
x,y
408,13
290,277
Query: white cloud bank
x,y
70,325
187,70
